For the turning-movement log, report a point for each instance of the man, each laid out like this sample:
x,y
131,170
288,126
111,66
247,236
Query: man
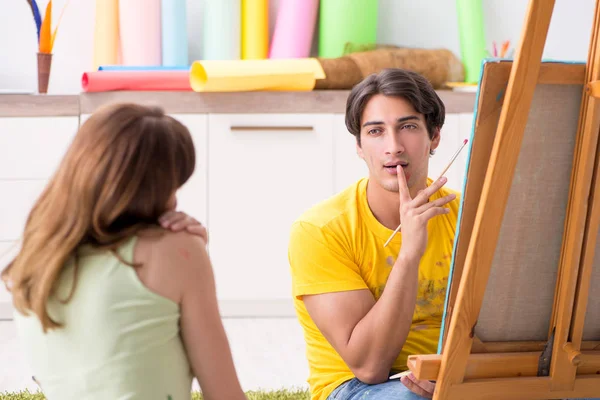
x,y
365,307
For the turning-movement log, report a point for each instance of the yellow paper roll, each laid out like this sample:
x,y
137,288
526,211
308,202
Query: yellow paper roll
x,y
106,33
251,75
255,29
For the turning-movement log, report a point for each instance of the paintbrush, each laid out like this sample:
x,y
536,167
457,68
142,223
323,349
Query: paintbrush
x,y
400,375
442,174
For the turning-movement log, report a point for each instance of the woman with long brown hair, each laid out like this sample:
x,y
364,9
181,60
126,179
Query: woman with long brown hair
x,y
108,303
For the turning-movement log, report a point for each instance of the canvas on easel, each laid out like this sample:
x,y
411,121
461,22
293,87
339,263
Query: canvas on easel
x,y
521,321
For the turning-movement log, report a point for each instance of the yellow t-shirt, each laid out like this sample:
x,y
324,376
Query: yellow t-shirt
x,y
338,246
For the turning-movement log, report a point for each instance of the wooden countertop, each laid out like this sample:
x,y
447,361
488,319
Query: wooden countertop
x,y
318,101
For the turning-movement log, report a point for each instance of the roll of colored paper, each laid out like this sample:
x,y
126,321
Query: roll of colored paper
x,y
106,32
255,29
472,37
250,75
294,28
104,81
174,33
343,21
222,33
139,23
143,68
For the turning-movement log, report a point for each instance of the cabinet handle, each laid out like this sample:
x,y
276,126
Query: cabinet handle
x,y
271,128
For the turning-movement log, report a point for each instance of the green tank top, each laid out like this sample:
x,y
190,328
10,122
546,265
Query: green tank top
x,y
120,341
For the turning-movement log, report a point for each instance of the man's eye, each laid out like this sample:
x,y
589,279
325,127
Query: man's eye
x,y
409,126
374,131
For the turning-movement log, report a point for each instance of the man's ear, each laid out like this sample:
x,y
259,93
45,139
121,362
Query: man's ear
x,y
359,151
435,142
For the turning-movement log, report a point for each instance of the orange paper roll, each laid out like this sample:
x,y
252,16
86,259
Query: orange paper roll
x,y
106,33
104,81
255,29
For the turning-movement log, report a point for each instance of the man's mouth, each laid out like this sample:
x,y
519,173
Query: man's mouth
x,y
391,167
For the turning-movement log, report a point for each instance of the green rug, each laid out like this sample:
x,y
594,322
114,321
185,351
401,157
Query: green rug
x,y
274,395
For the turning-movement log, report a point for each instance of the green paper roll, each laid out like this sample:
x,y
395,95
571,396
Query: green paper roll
x,y
346,21
472,37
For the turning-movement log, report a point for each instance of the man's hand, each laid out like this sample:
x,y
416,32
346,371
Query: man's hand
x,y
416,213
178,221
423,388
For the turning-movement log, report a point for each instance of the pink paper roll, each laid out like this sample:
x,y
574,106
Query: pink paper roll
x,y
104,81
139,25
294,28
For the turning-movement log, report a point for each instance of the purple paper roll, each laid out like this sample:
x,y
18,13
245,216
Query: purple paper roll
x,y
294,28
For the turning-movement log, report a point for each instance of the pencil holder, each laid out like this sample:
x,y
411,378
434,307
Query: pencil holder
x,y
44,62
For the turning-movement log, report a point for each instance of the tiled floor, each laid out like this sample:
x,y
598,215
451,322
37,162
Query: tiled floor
x,y
268,354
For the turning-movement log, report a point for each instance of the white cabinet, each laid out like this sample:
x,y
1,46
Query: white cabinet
x,y
264,171
192,198
32,148
348,166
255,174
8,250
18,197
30,151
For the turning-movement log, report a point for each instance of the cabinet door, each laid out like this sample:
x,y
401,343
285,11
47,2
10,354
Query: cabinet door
x,y
8,250
32,148
192,197
18,197
348,166
264,171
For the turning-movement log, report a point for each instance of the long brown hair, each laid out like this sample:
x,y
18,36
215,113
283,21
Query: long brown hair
x,y
116,178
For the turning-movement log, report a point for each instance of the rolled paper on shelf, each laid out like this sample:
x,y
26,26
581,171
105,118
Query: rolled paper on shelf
x,y
343,21
294,28
254,75
174,33
341,73
255,29
104,81
472,37
106,32
139,25
222,33
437,65
143,68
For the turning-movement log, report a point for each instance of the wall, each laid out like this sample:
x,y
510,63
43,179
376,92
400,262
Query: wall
x,y
402,22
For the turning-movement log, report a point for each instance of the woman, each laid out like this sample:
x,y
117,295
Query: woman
x,y
109,304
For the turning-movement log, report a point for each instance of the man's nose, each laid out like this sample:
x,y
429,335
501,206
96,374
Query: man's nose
x,y
394,144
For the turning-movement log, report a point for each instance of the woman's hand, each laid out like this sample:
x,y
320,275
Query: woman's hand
x,y
177,221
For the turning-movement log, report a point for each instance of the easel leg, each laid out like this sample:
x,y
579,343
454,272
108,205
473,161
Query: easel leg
x,y
522,83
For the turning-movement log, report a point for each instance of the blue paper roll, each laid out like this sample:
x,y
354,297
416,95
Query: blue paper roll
x,y
222,30
141,68
174,33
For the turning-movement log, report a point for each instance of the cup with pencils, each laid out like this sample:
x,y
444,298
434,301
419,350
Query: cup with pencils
x,y
503,51
45,38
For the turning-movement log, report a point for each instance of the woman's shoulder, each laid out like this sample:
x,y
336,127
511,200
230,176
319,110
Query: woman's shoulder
x,y
168,260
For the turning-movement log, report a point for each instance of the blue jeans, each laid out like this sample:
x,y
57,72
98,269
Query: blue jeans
x,y
356,390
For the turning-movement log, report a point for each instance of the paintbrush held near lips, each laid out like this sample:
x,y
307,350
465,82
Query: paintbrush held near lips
x,y
442,174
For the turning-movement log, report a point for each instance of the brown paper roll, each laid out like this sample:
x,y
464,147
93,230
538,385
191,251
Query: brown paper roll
x,y
341,73
44,63
437,65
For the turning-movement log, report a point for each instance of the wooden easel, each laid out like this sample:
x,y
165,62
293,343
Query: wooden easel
x,y
563,366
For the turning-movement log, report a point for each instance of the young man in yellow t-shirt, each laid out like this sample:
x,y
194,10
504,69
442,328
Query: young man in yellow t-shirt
x,y
365,307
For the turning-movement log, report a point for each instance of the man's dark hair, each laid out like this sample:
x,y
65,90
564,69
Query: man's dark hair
x,y
396,83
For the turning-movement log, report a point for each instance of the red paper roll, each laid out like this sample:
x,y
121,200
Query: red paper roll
x,y
104,81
